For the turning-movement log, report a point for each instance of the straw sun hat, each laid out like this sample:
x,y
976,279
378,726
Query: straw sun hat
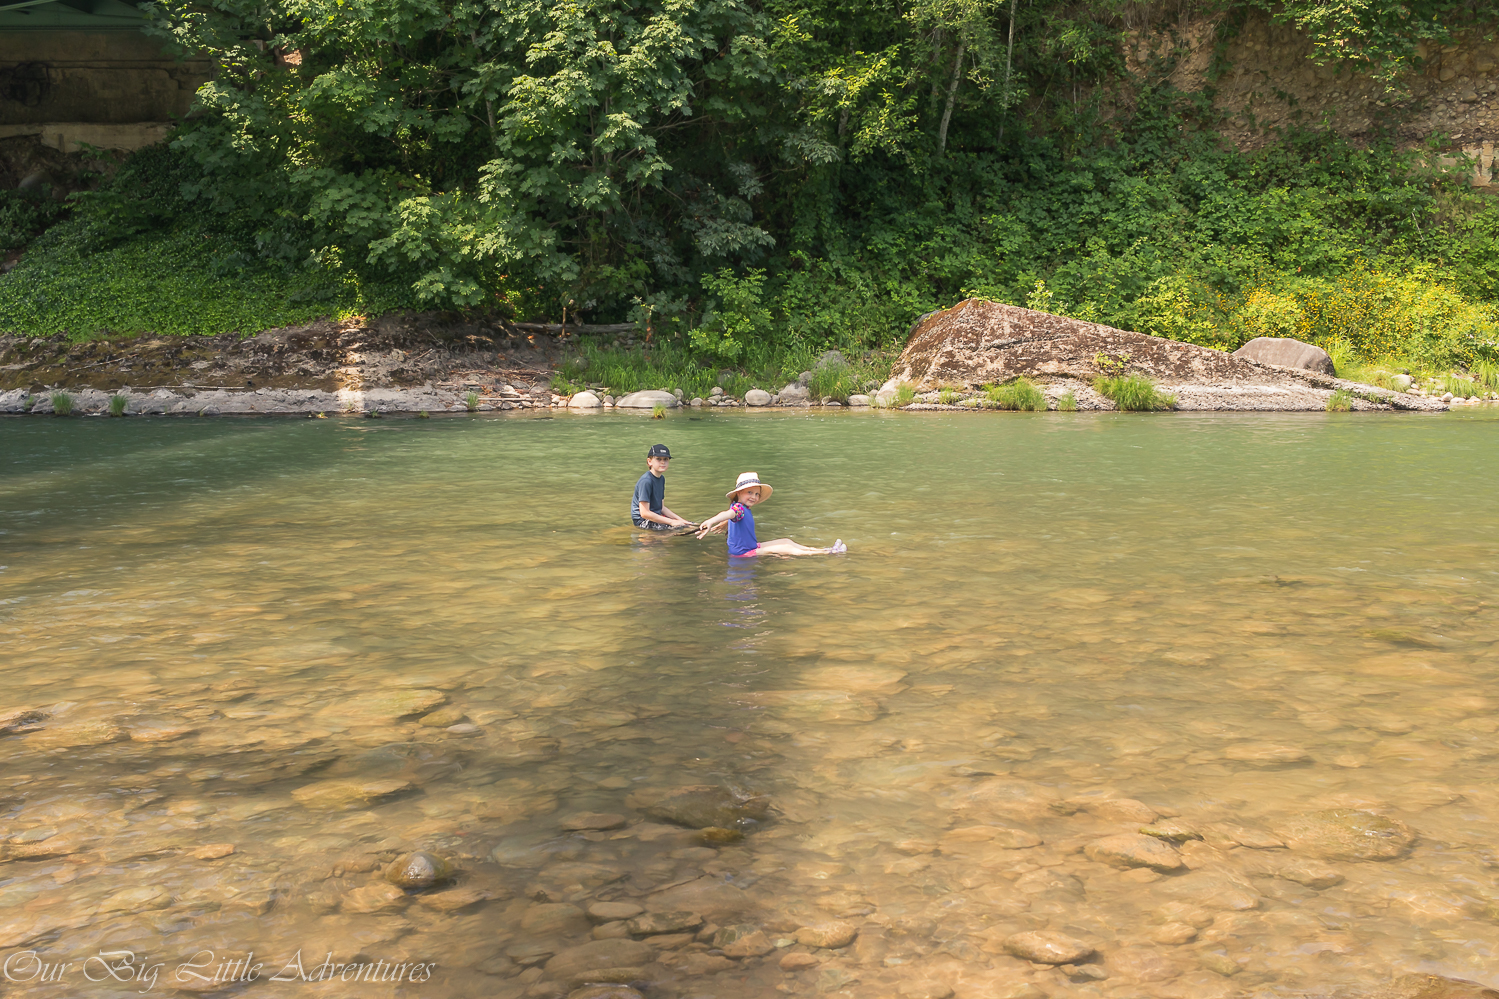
x,y
748,480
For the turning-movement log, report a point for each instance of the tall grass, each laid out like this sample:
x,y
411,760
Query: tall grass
x,y
1134,393
1022,393
62,404
839,381
1486,374
1340,402
1462,388
117,404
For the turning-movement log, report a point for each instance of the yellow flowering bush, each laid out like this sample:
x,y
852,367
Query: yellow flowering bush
x,y
1362,315
1375,314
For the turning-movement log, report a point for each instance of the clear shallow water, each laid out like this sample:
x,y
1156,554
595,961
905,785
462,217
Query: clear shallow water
x,y
1233,620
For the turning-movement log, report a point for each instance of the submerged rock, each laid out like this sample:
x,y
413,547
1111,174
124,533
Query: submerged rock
x,y
554,919
585,821
815,705
1348,834
709,897
609,991
607,912
454,899
418,870
375,898
599,954
702,806
1134,850
383,706
213,851
1171,830
654,923
1311,873
1436,987
743,940
1047,947
832,934
74,735
339,795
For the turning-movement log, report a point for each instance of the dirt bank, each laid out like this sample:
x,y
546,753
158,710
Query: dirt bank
x,y
977,343
398,363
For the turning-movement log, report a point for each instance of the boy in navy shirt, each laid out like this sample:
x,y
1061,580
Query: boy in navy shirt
x,y
648,509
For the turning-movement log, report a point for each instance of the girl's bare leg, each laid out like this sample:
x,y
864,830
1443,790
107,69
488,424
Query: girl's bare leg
x,y
785,546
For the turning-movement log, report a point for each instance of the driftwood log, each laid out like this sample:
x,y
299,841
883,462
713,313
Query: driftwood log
x,y
558,328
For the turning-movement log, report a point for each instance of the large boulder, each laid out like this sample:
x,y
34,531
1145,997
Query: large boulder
x,y
585,400
977,343
795,395
648,399
1287,353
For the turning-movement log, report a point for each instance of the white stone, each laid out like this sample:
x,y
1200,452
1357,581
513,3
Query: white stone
x,y
647,400
795,395
584,400
757,397
858,400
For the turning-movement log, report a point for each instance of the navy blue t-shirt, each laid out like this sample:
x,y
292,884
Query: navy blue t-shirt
x,y
650,489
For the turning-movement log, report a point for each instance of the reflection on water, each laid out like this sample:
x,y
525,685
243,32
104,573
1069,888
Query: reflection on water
x,y
249,664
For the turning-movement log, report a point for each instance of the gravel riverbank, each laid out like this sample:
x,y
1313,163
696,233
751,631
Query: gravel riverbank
x,y
428,363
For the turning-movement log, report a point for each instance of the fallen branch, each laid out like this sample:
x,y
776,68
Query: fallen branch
x,y
576,328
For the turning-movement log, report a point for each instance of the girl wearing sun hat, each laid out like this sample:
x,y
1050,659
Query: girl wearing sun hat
x,y
749,491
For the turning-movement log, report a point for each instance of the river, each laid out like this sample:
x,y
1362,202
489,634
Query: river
x,y
248,663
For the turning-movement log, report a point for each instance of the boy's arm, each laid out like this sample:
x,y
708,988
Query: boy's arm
x,y
646,513
677,521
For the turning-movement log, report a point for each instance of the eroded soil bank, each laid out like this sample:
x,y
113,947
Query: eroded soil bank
x,y
397,363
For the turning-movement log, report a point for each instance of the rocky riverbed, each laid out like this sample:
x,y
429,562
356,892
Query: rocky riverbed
x,y
1196,742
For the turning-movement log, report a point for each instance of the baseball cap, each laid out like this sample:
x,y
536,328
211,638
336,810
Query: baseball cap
x,y
658,451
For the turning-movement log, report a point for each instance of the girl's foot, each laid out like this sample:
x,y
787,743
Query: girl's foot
x,y
838,547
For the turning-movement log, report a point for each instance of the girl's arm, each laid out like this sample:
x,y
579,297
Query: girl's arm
x,y
714,521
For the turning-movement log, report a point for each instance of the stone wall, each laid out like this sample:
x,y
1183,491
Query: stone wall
x,y
1272,83
113,89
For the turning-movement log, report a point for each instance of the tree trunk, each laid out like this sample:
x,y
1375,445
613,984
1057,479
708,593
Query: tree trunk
x,y
1009,56
952,96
